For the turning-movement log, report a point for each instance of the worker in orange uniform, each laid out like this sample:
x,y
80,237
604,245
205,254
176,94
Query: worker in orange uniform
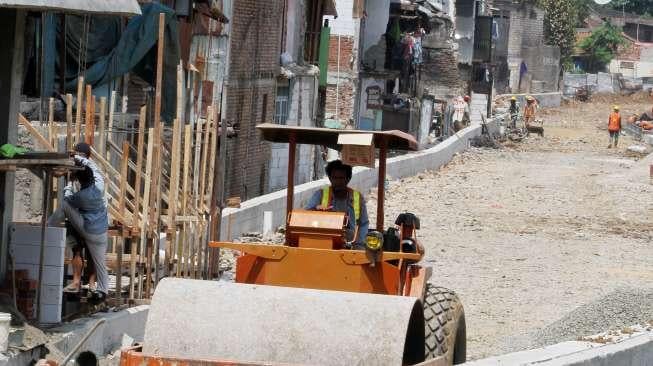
x,y
614,126
340,198
529,111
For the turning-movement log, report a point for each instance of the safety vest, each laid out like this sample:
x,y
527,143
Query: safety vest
x,y
327,198
614,124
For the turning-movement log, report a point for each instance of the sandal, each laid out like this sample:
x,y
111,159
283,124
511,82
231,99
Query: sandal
x,y
72,289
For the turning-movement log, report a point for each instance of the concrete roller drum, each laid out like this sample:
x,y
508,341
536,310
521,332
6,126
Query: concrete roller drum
x,y
226,321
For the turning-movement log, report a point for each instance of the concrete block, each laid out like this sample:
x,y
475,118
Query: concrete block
x,y
30,234
30,254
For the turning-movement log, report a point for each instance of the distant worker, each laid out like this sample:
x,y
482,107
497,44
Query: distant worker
x,y
460,114
644,121
86,211
529,111
514,111
340,198
614,126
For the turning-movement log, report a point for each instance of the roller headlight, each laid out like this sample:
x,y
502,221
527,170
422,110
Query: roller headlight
x,y
374,241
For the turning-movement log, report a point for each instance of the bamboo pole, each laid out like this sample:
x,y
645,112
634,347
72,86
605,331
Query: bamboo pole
x,y
69,122
101,133
78,112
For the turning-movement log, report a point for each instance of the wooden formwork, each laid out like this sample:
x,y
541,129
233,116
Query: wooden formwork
x,y
158,181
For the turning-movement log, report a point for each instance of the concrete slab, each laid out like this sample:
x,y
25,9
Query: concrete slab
x,y
634,350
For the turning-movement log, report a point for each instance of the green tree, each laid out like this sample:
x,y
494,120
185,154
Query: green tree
x,y
560,19
601,46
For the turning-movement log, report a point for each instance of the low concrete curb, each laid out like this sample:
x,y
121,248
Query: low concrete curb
x,y
108,337
249,217
636,350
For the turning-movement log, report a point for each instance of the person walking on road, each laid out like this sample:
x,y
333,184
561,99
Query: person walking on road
x,y
614,126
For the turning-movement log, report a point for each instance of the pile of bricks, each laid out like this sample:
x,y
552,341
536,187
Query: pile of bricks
x,y
25,291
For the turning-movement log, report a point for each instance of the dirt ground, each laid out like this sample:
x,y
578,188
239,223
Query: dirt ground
x,y
533,234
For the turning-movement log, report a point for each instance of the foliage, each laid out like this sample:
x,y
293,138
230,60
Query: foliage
x,y
601,46
560,19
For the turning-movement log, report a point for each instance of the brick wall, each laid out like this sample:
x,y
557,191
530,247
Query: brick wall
x,y
440,74
253,67
346,52
344,94
344,98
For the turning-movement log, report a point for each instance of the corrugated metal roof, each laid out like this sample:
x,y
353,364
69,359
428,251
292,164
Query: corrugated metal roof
x,y
117,7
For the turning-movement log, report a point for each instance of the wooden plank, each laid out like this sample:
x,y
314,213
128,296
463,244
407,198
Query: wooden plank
x,y
34,132
101,133
180,92
137,198
154,193
213,147
198,154
174,189
78,112
188,133
199,203
123,176
146,198
112,108
109,169
89,112
89,135
139,162
69,122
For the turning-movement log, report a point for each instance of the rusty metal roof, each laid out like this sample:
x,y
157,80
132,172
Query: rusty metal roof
x,y
114,7
397,140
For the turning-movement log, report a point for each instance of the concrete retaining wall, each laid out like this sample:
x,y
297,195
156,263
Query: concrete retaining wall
x,y
633,351
249,217
108,337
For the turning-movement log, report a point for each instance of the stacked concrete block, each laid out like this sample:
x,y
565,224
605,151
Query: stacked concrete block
x,y
25,244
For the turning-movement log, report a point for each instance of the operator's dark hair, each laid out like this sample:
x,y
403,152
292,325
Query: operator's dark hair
x,y
83,176
338,165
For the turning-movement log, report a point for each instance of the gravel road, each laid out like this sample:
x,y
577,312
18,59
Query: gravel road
x,y
545,241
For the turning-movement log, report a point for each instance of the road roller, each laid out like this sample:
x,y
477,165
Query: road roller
x,y
316,299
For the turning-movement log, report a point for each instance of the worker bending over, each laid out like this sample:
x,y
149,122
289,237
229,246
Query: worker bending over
x,y
86,212
614,126
340,198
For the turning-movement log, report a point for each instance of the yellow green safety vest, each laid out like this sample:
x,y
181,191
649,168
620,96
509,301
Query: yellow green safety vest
x,y
326,200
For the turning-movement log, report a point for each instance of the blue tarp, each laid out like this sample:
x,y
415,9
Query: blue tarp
x,y
136,52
